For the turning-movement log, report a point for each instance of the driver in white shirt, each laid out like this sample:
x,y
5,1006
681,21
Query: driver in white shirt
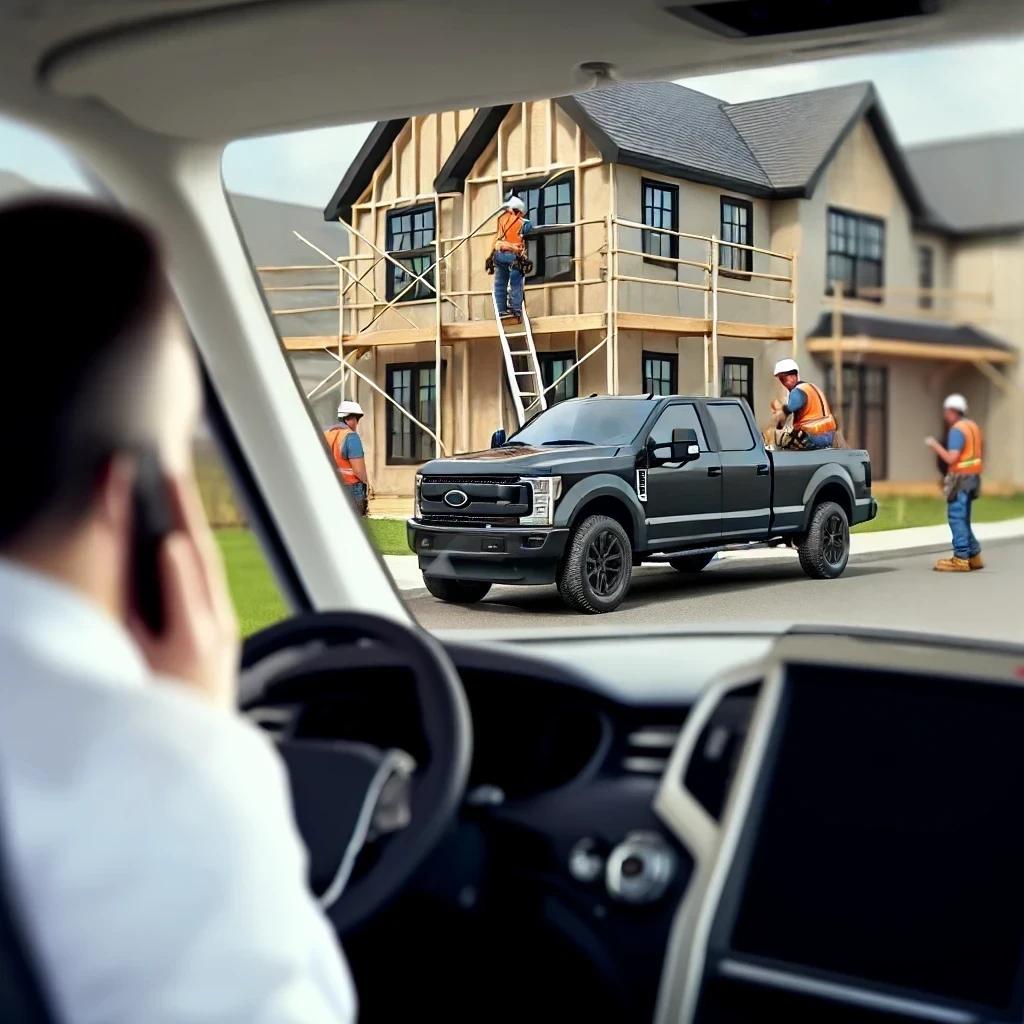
x,y
146,829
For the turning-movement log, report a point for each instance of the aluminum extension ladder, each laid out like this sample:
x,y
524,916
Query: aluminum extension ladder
x,y
521,365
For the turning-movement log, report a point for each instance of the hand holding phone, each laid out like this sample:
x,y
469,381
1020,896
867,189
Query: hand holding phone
x,y
183,618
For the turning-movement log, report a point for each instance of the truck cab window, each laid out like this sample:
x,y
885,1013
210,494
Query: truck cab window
x,y
674,417
733,430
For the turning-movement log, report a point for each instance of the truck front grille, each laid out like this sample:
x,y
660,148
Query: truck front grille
x,y
474,500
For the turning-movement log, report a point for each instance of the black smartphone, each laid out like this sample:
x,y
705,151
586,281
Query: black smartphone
x,y
152,521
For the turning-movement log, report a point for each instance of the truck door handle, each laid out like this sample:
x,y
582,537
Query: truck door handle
x,y
762,470
714,470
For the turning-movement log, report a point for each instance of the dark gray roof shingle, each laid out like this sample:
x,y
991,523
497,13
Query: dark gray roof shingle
x,y
665,123
792,136
973,185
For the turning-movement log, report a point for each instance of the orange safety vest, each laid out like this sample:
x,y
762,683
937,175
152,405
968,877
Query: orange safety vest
x,y
815,417
336,439
970,454
510,233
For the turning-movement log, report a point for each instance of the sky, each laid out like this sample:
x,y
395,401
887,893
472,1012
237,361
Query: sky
x,y
938,93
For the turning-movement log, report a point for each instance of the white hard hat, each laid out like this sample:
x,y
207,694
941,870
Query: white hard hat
x,y
955,401
785,366
515,203
346,409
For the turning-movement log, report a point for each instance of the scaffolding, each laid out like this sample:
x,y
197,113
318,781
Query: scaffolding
x,y
629,264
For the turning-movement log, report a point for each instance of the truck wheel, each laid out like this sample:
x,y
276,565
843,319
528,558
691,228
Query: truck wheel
x,y
597,566
456,591
690,563
825,549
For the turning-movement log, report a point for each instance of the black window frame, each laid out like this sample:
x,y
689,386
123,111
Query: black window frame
x,y
648,237
856,390
925,275
746,256
854,225
539,238
746,363
546,360
428,250
669,357
389,371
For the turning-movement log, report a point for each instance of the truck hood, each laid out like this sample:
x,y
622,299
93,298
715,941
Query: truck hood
x,y
526,461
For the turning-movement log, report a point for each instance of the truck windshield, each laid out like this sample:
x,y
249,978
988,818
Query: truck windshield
x,y
587,421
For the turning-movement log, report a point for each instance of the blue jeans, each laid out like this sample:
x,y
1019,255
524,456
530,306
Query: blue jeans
x,y
507,274
965,544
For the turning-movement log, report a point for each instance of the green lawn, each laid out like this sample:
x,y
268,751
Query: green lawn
x,y
258,602
898,513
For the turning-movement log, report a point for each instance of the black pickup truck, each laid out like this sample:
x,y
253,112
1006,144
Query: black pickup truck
x,y
594,486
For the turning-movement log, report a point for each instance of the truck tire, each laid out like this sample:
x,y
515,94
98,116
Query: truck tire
x,y
456,591
596,568
825,548
691,563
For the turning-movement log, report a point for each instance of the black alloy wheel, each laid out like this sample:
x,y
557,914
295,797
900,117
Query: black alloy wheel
x,y
605,563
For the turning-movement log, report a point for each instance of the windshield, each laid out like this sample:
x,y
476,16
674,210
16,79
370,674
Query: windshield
x,y
835,221
586,422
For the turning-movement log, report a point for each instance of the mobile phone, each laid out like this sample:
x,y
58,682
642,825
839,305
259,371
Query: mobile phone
x,y
152,521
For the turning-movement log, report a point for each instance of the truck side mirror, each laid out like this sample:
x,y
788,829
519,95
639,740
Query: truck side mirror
x,y
685,447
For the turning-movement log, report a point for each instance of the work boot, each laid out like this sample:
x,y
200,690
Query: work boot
x,y
507,314
953,564
975,562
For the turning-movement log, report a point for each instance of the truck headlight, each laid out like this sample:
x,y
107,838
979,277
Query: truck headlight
x,y
416,512
546,492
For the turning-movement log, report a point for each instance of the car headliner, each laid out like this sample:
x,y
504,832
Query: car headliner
x,y
218,71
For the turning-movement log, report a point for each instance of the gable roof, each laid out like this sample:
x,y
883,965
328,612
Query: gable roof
x,y
360,171
973,184
774,148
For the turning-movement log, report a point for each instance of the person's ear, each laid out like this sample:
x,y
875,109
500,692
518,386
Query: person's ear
x,y
114,492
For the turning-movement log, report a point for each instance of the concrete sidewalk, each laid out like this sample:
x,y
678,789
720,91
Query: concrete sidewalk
x,y
863,546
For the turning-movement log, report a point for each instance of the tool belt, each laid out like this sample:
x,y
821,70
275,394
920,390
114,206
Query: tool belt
x,y
958,483
522,263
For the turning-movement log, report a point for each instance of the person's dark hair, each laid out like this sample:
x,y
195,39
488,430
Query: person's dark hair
x,y
82,291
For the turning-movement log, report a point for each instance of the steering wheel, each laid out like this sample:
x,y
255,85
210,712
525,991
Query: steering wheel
x,y
337,785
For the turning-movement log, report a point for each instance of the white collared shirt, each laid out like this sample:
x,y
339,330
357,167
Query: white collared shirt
x,y
149,838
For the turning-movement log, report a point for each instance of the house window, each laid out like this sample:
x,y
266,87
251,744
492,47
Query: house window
x,y
661,210
552,366
856,251
550,243
925,275
737,226
738,379
659,373
414,387
410,239
864,417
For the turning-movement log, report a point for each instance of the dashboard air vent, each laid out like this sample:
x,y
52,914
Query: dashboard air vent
x,y
713,764
648,748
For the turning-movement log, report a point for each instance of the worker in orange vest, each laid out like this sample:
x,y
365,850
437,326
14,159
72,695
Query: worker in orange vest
x,y
962,454
814,426
347,451
508,256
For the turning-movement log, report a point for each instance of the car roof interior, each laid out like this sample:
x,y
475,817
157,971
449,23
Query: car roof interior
x,y
219,71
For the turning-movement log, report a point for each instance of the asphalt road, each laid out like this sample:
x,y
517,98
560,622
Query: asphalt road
x,y
899,592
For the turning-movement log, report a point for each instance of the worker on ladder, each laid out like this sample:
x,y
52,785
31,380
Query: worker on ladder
x,y
509,259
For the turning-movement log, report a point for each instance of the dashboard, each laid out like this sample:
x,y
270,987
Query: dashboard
x,y
713,827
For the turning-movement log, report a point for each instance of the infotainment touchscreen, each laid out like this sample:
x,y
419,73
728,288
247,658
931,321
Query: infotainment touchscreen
x,y
887,842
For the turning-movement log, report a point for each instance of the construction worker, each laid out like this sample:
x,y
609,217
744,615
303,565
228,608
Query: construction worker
x,y
347,450
962,484
814,426
509,256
